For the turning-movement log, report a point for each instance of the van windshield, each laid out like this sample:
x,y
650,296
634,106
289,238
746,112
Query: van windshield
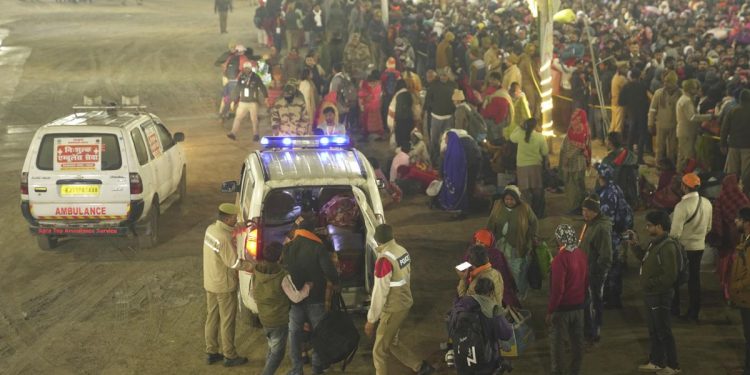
x,y
79,152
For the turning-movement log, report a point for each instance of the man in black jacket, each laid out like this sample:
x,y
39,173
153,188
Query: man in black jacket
x,y
634,97
307,261
223,7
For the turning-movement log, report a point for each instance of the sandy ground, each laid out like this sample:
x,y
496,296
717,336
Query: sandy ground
x,y
103,307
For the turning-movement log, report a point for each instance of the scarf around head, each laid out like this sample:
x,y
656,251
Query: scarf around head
x,y
727,205
578,132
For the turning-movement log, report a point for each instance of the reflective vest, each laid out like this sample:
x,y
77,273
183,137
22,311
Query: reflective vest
x,y
399,296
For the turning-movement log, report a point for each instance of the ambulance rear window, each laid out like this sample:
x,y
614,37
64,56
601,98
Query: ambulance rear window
x,y
79,152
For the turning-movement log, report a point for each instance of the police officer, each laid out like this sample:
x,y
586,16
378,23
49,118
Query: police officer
x,y
220,265
390,304
251,92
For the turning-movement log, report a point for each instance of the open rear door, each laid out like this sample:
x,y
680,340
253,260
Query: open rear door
x,y
370,223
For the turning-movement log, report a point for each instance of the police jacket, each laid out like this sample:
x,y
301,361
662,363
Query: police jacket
x,y
596,242
250,88
392,289
220,260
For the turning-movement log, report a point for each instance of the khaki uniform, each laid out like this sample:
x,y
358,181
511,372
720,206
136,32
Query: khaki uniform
x,y
220,265
662,116
618,113
290,118
356,59
390,304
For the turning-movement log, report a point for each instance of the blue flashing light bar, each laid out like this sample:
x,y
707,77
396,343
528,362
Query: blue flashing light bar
x,y
305,141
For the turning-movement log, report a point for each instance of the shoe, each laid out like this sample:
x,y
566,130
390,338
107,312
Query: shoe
x,y
237,361
256,138
232,136
213,358
425,369
668,371
649,367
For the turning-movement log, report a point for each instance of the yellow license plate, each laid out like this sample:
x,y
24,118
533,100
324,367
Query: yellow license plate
x,y
79,190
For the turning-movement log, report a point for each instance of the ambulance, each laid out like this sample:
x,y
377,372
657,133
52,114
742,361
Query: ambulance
x,y
102,171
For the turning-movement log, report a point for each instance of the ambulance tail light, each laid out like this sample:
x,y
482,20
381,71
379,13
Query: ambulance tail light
x,y
136,184
253,244
25,183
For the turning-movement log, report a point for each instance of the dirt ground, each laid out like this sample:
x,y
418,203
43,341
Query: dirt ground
x,y
104,307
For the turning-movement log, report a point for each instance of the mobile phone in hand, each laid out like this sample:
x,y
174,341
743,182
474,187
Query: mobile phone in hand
x,y
463,266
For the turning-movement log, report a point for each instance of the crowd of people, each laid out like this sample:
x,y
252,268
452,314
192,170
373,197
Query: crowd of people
x,y
454,90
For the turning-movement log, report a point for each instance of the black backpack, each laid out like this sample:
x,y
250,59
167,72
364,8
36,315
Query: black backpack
x,y
346,96
471,346
682,262
336,338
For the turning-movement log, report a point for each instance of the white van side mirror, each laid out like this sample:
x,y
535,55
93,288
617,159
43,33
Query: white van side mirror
x,y
179,137
230,187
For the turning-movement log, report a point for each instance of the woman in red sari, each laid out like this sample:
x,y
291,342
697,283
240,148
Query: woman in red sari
x,y
575,158
724,231
369,106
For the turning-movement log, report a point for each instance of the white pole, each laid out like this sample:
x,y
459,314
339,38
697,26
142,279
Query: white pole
x,y
384,11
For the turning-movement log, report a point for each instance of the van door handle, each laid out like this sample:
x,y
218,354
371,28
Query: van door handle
x,y
79,182
41,189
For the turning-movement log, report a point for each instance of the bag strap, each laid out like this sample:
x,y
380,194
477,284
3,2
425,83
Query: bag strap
x,y
697,208
348,359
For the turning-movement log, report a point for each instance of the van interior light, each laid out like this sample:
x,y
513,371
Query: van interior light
x,y
305,142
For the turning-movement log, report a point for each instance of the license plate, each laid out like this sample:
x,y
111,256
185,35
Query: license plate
x,y
79,190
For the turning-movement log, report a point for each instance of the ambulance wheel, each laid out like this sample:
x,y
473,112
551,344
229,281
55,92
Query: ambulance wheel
x,y
182,187
46,243
148,237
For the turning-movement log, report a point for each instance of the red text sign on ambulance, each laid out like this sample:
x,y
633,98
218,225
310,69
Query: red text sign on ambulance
x,y
78,154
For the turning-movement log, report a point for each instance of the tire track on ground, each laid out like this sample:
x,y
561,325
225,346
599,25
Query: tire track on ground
x,y
90,286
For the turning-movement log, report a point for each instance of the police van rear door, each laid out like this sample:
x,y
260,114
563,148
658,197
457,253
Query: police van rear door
x,y
370,223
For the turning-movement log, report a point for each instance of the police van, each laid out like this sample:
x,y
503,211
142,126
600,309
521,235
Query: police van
x,y
321,175
102,171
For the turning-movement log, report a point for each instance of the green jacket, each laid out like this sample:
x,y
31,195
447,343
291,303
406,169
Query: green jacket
x,y
273,304
307,260
501,215
659,266
596,242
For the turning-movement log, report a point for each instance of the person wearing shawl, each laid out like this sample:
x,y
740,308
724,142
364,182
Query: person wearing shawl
x,y
460,170
723,232
569,281
369,106
612,204
575,158
498,261
625,164
400,118
515,226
